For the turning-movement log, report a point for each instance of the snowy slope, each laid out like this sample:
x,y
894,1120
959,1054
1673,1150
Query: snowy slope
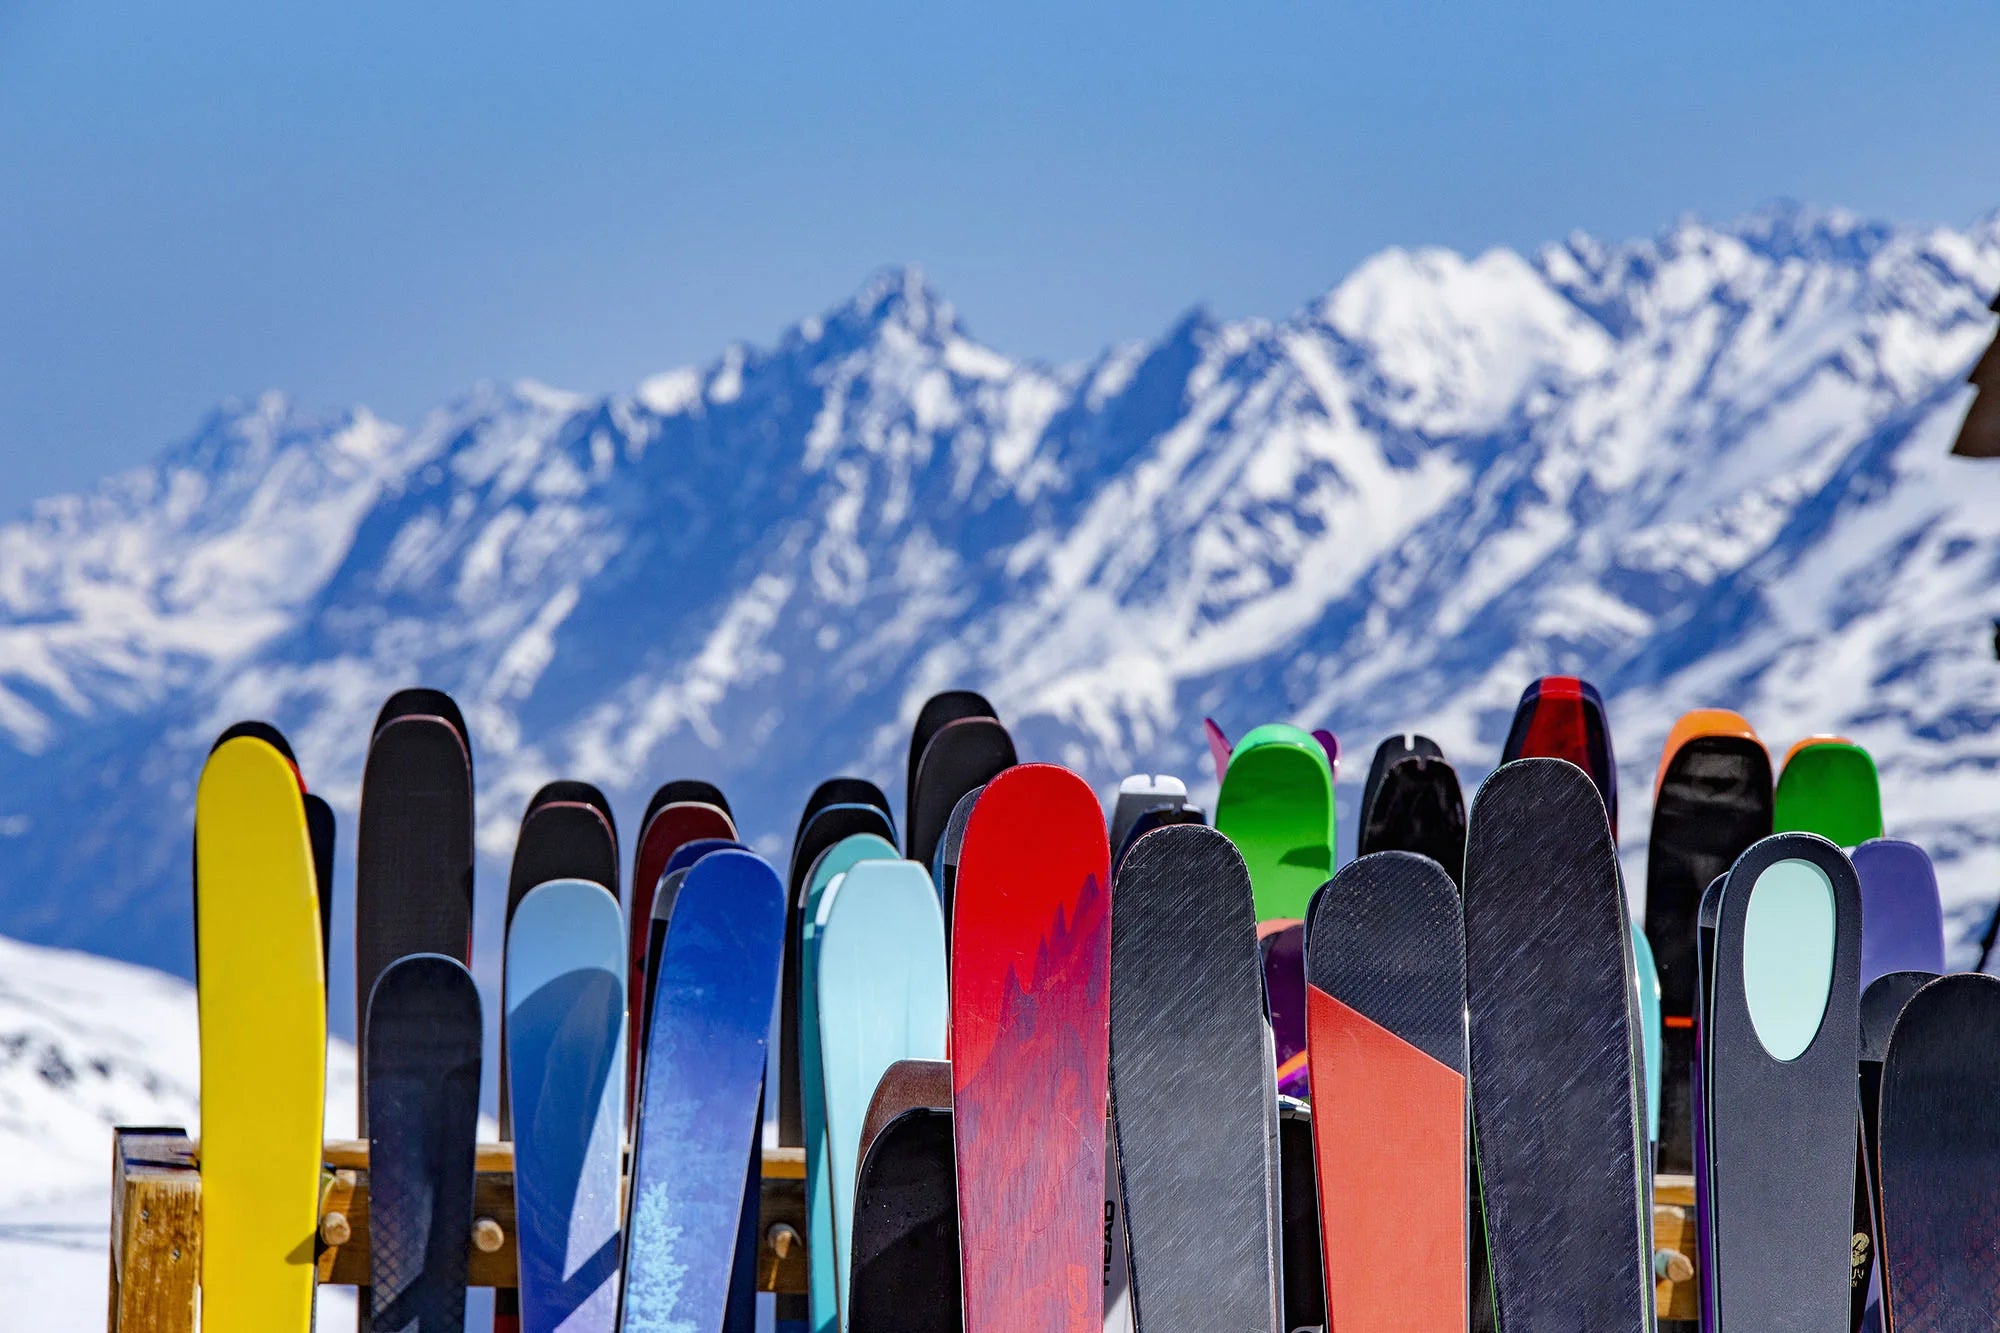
x,y
1704,468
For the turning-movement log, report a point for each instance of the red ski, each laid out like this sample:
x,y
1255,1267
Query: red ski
x,y
1030,1015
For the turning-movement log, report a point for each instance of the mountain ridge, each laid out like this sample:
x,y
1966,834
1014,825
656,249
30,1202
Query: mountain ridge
x,y
1708,467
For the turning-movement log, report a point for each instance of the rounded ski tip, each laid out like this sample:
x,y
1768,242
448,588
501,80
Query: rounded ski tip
x,y
488,1236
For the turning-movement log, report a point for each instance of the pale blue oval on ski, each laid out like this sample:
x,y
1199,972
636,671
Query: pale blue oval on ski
x,y
1788,930
883,997
565,988
822,1288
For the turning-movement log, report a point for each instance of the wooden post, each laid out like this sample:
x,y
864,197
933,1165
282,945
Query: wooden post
x,y
155,1231
1675,1246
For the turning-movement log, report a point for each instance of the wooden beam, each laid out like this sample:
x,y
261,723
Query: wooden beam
x,y
1675,1246
155,1231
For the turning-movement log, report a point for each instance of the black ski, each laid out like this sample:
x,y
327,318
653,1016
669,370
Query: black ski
x,y
422,1056
939,711
963,755
1559,1112
842,791
685,789
905,1271
1881,1004
1298,1192
420,702
1779,1092
1391,751
1416,805
1941,1157
1193,1096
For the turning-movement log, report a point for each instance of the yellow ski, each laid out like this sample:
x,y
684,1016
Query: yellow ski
x,y
262,999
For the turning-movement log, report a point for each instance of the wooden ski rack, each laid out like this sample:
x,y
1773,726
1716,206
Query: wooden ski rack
x,y
156,1227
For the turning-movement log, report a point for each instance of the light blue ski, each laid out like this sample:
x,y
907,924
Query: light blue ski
x,y
696,1137
823,1293
883,993
565,990
1646,980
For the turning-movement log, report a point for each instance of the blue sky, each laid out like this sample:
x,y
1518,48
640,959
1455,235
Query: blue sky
x,y
383,203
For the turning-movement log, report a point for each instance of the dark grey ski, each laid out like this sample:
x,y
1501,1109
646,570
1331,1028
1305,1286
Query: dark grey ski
x,y
423,1057
904,1277
1193,1094
1558,1109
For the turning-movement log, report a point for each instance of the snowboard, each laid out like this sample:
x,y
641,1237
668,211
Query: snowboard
x,y
413,862
904,1278
841,791
1562,717
1711,800
686,789
1780,1050
828,870
1219,748
1881,1004
1941,1156
1276,805
1192,1093
668,827
695,1145
1029,1041
1302,1268
565,989
1385,974
1558,1110
1416,805
1828,786
1139,793
1393,749
881,978
1284,964
261,1006
938,712
1902,925
422,1055
907,1085
1156,817
829,826
963,755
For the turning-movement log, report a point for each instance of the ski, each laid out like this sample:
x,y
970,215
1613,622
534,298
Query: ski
x,y
695,1142
881,970
1940,1157
686,789
1902,924
938,712
945,872
1219,748
1557,1106
565,989
261,1005
1156,817
1828,786
1881,1004
1385,970
962,755
907,1085
1029,1040
1711,800
827,826
1192,1095
1646,993
568,791
1283,946
1139,793
828,869
1276,805
1331,744
1414,804
669,826
905,1274
418,701
841,791
422,1055
1562,717
413,863
1780,1050
1302,1268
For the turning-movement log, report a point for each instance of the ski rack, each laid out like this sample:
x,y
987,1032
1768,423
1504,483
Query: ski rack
x,y
156,1224
156,1227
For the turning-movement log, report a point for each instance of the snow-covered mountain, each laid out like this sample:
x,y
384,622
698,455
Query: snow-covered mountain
x,y
1706,468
